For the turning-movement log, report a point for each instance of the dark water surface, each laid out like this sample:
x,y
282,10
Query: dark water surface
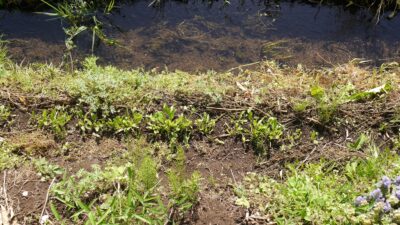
x,y
198,36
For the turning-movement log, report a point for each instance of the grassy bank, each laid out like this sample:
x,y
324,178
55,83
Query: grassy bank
x,y
272,144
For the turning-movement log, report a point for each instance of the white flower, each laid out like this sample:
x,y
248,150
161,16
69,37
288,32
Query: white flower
x,y
44,219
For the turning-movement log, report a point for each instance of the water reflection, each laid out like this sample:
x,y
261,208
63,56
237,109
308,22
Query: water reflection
x,y
198,36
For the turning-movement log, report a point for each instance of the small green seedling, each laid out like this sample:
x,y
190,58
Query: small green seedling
x,y
205,124
167,125
184,192
55,120
359,143
47,170
5,114
125,124
263,131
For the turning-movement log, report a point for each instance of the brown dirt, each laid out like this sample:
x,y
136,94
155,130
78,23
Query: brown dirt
x,y
27,208
221,164
221,167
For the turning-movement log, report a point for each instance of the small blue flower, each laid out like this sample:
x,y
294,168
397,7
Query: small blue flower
x,y
397,180
360,200
387,207
376,194
380,199
385,182
397,194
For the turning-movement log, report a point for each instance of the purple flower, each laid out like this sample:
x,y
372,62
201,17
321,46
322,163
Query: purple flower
x,y
387,207
360,200
397,180
385,182
376,194
397,194
380,200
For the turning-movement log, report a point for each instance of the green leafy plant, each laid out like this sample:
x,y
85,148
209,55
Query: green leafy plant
x,y
301,106
8,159
99,89
5,114
125,124
326,108
374,92
292,138
147,173
116,195
109,197
91,123
328,101
314,137
359,143
55,120
263,131
237,126
322,192
81,16
47,170
184,192
205,124
260,132
167,125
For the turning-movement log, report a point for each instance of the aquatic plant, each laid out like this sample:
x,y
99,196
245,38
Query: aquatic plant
x,y
81,16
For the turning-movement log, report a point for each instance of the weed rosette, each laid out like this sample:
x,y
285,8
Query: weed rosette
x,y
381,205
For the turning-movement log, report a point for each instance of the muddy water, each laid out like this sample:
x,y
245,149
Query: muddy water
x,y
198,36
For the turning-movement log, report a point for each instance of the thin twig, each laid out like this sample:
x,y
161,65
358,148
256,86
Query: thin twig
x,y
241,66
5,189
233,176
307,157
47,198
169,216
226,109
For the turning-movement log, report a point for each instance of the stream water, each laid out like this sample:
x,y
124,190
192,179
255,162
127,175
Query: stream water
x,y
199,36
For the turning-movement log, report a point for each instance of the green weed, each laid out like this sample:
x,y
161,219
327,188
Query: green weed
x,y
292,138
327,102
90,123
47,170
100,89
5,114
54,120
320,193
237,127
125,124
7,158
326,107
361,141
167,125
260,132
184,192
127,194
205,124
263,131
81,16
301,106
111,196
314,137
147,173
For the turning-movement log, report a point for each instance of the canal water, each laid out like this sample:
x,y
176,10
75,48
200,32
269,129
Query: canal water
x,y
198,35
